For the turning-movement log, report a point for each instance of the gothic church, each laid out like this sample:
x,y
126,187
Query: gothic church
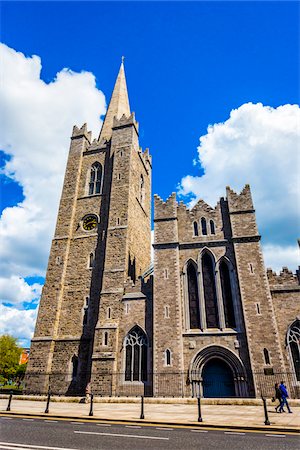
x,y
205,318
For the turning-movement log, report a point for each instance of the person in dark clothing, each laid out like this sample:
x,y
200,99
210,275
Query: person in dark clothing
x,y
284,397
277,396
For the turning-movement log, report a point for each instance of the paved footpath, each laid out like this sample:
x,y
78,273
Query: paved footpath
x,y
164,413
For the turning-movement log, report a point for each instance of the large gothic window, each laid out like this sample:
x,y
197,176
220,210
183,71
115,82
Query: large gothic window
x,y
95,179
227,296
293,342
210,296
193,296
136,346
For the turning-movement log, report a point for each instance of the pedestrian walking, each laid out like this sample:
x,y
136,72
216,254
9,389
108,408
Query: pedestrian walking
x,y
284,397
277,396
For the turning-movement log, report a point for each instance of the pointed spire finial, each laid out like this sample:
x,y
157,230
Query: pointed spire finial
x,y
118,105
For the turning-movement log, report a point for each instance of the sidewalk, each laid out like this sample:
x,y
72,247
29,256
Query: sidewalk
x,y
231,416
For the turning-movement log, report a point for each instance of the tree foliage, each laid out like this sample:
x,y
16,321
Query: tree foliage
x,y
9,356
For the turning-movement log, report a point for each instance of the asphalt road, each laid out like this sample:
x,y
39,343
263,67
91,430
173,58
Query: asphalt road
x,y
40,434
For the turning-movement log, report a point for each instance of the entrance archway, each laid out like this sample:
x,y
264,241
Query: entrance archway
x,y
216,371
217,379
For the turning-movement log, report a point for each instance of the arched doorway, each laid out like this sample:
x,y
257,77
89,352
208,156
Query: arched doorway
x,y
216,371
217,379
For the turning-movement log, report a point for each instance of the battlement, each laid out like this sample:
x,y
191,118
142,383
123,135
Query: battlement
x,y
81,132
125,121
145,156
167,209
286,278
240,202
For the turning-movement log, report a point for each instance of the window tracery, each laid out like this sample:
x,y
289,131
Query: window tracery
x,y
136,346
95,179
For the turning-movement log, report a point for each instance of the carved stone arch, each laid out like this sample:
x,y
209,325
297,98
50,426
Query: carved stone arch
x,y
220,353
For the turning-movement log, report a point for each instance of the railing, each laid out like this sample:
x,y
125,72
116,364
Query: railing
x,y
168,384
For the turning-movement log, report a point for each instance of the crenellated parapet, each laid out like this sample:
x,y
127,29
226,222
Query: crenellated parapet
x,y
125,121
240,202
285,280
81,132
167,209
145,157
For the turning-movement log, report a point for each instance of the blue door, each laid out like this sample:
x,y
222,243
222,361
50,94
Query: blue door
x,y
217,379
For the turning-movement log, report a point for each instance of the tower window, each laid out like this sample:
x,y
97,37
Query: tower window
x,y
86,311
203,226
118,220
167,312
196,231
108,313
258,308
167,357
105,338
166,274
95,179
91,260
267,356
251,268
142,190
127,308
212,227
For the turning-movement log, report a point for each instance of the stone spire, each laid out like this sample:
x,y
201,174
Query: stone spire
x,y
118,105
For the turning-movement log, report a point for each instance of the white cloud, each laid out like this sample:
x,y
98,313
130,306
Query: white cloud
x,y
19,324
258,145
36,122
277,256
16,290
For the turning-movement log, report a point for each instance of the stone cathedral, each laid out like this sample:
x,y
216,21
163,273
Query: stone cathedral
x,y
205,318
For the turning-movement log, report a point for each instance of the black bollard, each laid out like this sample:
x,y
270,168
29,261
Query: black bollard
x,y
9,402
267,422
142,408
48,401
199,410
91,406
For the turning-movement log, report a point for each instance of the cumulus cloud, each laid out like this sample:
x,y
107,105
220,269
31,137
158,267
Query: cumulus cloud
x,y
277,256
17,323
36,123
16,290
258,145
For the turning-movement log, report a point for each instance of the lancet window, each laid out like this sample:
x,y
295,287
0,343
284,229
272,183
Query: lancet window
x,y
193,296
293,343
95,179
203,226
210,295
227,295
196,232
136,346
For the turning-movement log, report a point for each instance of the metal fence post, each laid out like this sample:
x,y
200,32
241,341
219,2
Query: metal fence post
x,y
48,401
91,413
9,402
267,422
142,408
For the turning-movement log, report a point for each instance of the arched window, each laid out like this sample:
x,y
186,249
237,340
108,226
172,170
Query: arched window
x,y
86,311
167,357
142,190
227,295
293,343
74,366
167,312
196,232
193,296
203,226
136,346
212,227
210,296
267,356
95,179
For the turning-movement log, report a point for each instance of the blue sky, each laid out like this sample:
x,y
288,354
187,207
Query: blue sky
x,y
188,65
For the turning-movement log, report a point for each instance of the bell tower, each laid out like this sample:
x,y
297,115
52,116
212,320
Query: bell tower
x,y
102,238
